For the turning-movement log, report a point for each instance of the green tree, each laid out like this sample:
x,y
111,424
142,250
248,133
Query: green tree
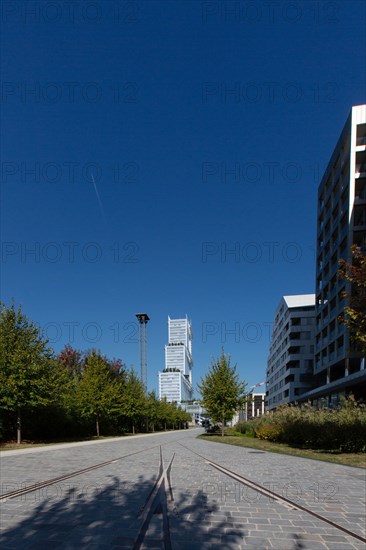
x,y
98,393
134,399
164,412
181,417
355,311
222,391
27,374
152,408
173,414
70,365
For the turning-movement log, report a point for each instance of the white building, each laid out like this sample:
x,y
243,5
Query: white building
x,y
291,355
253,407
175,381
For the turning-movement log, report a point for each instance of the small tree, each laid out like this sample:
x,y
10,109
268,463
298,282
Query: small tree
x,y
70,367
355,312
26,365
164,412
221,390
98,393
133,400
152,408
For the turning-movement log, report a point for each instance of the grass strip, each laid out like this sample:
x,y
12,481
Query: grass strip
x,y
347,459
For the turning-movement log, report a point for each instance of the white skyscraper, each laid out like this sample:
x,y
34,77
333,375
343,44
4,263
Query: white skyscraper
x,y
175,382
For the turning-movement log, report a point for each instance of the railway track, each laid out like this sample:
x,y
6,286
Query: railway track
x,y
64,477
156,502
160,499
288,503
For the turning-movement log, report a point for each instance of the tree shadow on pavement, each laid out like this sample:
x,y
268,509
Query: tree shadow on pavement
x,y
66,517
199,523
76,517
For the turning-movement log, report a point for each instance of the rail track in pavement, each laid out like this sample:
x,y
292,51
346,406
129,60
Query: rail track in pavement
x,y
160,499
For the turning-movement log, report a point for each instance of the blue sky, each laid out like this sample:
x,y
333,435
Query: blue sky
x,y
164,157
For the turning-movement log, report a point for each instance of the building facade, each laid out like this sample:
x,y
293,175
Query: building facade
x,y
253,408
338,368
291,355
175,381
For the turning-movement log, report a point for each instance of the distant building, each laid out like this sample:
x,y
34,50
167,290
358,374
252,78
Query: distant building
x,y
291,355
197,412
175,381
253,408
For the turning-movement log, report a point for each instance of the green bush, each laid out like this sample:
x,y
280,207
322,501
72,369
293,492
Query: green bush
x,y
342,429
269,431
245,428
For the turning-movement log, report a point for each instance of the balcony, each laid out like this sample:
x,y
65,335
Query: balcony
x,y
360,191
360,171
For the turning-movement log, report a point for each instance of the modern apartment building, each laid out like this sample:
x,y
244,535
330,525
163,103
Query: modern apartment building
x,y
338,368
253,407
291,355
175,381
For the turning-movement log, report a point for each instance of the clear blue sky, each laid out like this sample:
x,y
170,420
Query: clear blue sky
x,y
144,141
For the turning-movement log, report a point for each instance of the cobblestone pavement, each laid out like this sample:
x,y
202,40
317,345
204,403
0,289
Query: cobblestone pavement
x,y
104,508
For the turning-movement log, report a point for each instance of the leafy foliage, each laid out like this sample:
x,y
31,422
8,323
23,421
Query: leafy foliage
x,y
73,393
133,401
98,393
26,375
342,429
355,312
222,391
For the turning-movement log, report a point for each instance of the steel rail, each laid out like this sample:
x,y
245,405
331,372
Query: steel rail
x,y
275,496
157,498
46,483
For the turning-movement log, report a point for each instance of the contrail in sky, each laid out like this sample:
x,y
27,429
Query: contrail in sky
x,y
99,201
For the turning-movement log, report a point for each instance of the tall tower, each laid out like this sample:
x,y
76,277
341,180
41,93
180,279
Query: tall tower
x,y
143,319
178,353
175,382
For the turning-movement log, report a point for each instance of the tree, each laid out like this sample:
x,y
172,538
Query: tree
x,y
134,400
98,393
164,411
118,369
355,311
181,417
221,390
26,365
152,408
70,359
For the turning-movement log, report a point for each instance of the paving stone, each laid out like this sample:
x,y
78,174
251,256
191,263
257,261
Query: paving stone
x,y
102,509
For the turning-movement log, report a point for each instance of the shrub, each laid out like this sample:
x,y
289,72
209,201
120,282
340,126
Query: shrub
x,y
342,429
269,431
214,429
247,428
